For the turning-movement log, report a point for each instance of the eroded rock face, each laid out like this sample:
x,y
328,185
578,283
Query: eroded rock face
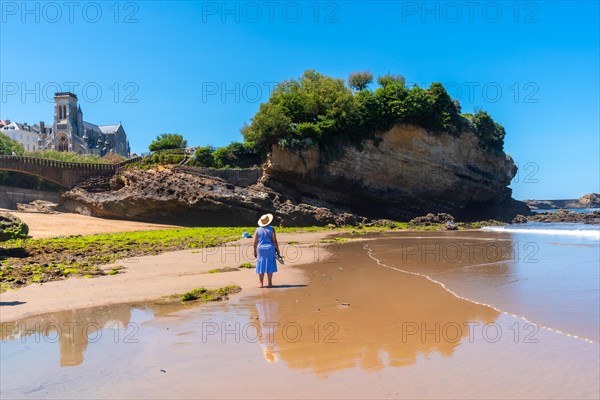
x,y
591,200
11,227
409,174
171,196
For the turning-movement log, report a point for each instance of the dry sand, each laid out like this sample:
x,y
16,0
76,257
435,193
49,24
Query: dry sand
x,y
64,224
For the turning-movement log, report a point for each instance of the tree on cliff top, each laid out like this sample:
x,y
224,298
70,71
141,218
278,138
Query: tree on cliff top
x,y
389,79
314,108
320,110
168,141
8,145
360,80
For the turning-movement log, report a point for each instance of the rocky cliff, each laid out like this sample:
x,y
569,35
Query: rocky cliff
x,y
409,173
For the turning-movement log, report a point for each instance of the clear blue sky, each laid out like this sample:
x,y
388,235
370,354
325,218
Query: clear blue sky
x,y
201,68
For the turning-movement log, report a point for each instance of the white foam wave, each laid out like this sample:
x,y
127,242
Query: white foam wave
x,y
588,233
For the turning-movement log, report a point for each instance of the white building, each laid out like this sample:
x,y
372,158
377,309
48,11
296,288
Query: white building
x,y
25,134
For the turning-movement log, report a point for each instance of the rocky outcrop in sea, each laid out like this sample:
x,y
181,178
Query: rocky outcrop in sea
x,y
590,200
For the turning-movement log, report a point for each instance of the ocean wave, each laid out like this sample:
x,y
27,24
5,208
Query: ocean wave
x,y
586,233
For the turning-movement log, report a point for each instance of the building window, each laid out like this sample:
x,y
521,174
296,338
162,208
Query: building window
x,y
63,144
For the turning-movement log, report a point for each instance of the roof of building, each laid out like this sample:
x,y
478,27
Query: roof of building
x,y
89,125
108,129
16,126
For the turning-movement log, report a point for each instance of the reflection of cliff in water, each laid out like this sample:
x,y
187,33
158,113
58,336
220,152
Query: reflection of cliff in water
x,y
392,317
73,330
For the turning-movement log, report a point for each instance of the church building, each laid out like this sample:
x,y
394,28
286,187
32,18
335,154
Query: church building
x,y
71,133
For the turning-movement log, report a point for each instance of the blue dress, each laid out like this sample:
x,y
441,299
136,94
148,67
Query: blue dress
x,y
265,261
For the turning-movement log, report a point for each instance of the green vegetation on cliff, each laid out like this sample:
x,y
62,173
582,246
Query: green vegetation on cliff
x,y
234,155
320,110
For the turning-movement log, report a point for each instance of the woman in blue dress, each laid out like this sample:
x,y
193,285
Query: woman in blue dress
x,y
265,250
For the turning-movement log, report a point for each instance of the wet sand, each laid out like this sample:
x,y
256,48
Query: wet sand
x,y
65,224
150,277
358,329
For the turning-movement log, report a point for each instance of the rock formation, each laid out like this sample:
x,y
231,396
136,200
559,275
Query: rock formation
x,y
560,216
171,195
11,227
590,200
409,173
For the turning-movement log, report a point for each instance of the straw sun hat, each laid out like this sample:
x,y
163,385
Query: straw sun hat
x,y
265,220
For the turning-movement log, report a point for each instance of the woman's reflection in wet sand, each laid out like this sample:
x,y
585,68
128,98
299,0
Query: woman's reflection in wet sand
x,y
268,320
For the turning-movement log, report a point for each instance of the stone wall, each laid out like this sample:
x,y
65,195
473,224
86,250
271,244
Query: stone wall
x,y
10,196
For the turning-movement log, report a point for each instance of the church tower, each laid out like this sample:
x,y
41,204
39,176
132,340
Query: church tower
x,y
68,123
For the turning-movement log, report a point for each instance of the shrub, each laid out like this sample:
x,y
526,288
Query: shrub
x,y
490,133
203,157
168,141
8,145
236,155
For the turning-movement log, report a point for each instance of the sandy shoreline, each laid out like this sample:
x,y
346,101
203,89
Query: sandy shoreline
x,y
151,277
358,330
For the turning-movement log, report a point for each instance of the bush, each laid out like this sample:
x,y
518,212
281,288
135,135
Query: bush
x,y
315,107
490,133
8,145
236,155
173,156
203,157
168,141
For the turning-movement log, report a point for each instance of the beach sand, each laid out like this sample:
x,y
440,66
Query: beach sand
x,y
370,318
352,328
43,225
